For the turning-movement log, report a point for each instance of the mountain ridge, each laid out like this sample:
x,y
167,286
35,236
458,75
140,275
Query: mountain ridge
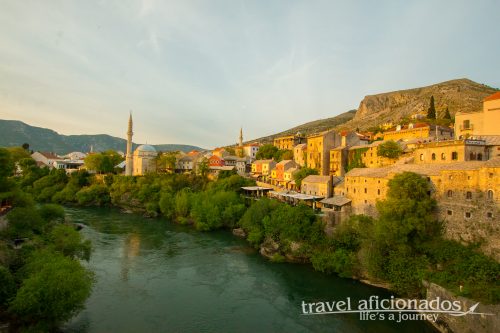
x,y
16,133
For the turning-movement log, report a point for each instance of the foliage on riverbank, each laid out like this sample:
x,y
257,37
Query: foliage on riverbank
x,y
42,282
402,247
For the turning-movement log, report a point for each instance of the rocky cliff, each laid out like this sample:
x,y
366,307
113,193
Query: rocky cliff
x,y
456,95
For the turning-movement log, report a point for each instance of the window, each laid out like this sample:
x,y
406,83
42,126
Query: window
x,y
450,177
479,157
468,215
454,155
489,215
366,201
443,157
449,212
466,124
472,156
433,156
450,194
366,190
421,157
468,195
490,195
354,190
378,192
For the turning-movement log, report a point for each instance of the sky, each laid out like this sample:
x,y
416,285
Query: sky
x,y
194,72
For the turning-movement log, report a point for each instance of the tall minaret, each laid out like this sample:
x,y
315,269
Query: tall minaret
x,y
241,137
128,158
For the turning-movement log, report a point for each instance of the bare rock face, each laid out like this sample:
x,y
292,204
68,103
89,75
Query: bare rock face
x,y
456,95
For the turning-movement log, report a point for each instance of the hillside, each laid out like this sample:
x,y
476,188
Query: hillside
x,y
15,133
456,95
312,127
374,110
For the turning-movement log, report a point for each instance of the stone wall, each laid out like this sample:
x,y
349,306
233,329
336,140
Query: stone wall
x,y
467,323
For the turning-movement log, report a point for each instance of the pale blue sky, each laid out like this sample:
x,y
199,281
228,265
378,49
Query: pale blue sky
x,y
195,71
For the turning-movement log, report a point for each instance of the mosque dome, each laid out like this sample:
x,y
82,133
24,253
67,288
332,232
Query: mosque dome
x,y
145,150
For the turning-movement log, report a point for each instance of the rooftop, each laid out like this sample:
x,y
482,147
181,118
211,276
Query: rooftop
x,y
492,97
316,179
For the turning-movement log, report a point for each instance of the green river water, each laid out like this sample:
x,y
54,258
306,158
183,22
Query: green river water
x,y
156,276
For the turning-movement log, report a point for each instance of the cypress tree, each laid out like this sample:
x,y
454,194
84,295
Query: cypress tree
x,y
447,114
431,112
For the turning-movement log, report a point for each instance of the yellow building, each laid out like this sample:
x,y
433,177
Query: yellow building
x,y
477,124
287,142
318,150
368,155
299,154
418,131
452,151
317,185
467,195
144,160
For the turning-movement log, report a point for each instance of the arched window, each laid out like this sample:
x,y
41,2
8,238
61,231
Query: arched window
x,y
472,156
443,156
378,191
490,195
421,157
454,155
479,157
468,195
449,193
433,156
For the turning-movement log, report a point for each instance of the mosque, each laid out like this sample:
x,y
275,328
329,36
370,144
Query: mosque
x,y
143,160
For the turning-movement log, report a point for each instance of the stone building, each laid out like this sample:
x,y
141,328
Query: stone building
x,y
318,150
144,160
452,151
318,185
467,195
368,155
288,142
485,122
339,156
299,154
418,131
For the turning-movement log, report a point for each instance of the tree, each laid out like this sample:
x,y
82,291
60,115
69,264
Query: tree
x,y
406,216
431,112
283,155
6,163
266,152
303,173
26,146
389,149
104,162
66,240
7,285
55,288
18,153
447,114
203,167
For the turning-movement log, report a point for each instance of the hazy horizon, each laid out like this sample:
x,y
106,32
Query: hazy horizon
x,y
194,72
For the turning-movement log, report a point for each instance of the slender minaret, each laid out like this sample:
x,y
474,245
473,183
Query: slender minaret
x,y
128,158
241,137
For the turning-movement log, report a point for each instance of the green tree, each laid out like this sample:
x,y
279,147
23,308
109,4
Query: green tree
x,y
104,162
18,153
389,149
66,240
266,151
203,167
406,216
7,286
303,173
431,111
447,114
6,163
26,146
23,222
54,289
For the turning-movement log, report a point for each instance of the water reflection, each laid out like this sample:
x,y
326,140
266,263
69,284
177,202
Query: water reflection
x,y
155,276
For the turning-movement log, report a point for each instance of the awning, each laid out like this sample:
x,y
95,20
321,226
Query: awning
x,y
256,188
336,201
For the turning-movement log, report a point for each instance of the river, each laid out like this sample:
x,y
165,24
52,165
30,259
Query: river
x,y
156,276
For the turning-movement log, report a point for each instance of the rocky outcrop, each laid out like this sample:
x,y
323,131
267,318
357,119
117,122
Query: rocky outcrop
x,y
456,95
468,323
239,232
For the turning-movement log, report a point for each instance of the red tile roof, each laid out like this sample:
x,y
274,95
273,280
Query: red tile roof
x,y
493,97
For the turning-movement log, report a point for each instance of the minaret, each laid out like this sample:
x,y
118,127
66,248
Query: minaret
x,y
241,137
128,158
